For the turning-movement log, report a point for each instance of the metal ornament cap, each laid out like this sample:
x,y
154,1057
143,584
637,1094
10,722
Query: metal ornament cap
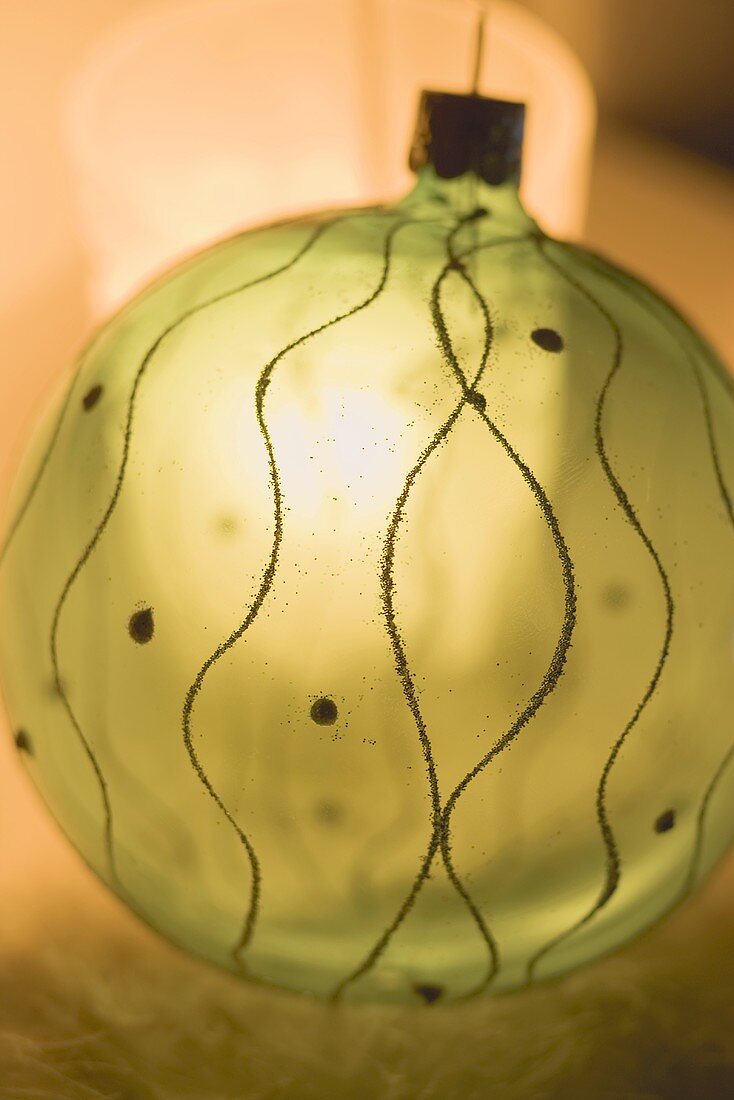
x,y
457,134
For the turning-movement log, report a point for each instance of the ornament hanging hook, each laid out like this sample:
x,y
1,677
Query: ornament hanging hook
x,y
479,43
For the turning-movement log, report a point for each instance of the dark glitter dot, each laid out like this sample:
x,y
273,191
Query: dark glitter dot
x,y
91,398
141,625
23,742
478,400
429,993
455,265
665,822
329,813
616,596
324,712
227,525
480,212
547,339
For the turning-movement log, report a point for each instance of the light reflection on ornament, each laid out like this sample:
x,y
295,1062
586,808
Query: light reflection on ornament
x,y
402,729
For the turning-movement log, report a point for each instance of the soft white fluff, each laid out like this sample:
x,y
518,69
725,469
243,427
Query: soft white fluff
x,y
93,1005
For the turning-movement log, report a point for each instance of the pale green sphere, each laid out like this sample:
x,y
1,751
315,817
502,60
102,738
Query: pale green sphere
x,y
367,602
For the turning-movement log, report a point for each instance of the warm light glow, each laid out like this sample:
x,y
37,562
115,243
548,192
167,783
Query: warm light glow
x,y
195,119
391,557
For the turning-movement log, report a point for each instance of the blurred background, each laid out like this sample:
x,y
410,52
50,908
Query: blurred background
x,y
661,70
91,1004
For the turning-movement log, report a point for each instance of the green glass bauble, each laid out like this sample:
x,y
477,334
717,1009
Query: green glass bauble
x,y
367,602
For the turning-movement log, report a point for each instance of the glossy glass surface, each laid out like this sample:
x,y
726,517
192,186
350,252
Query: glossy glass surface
x,y
367,602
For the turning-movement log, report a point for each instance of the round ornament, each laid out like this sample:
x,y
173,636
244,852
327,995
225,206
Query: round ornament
x,y
367,599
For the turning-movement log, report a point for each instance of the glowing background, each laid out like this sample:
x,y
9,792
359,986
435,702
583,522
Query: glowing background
x,y
668,215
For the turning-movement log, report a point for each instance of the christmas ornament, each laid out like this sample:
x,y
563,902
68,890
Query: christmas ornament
x,y
367,602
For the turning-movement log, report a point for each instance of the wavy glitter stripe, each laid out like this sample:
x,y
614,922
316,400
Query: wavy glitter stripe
x,y
713,446
407,815
613,868
265,585
618,274
622,281
101,526
563,644
656,306
469,396
398,648
20,515
656,309
411,697
118,315
693,866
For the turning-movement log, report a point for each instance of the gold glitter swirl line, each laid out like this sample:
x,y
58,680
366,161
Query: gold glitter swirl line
x,y
623,281
641,291
20,515
399,654
697,851
613,868
558,660
127,308
263,382
109,511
